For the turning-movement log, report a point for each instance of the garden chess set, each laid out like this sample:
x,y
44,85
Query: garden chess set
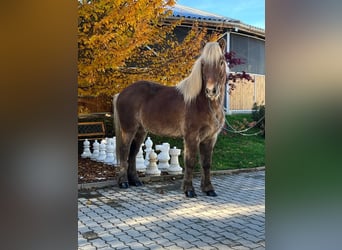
x,y
150,163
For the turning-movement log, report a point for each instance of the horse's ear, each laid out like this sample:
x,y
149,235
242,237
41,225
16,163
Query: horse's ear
x,y
222,44
202,44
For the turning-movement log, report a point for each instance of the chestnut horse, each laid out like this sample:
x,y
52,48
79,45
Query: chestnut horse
x,y
193,109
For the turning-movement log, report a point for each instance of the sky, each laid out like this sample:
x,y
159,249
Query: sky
x,y
250,12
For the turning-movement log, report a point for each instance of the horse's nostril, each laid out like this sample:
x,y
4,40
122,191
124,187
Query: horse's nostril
x,y
207,91
214,91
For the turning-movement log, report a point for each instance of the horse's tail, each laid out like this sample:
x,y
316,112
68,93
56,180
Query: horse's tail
x,y
117,127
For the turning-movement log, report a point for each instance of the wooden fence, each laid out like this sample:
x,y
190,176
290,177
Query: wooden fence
x,y
247,93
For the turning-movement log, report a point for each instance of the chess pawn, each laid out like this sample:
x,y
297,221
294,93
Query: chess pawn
x,y
174,168
152,168
86,149
148,148
109,152
139,161
163,156
96,148
102,154
115,162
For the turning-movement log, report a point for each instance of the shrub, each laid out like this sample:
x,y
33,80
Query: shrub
x,y
258,115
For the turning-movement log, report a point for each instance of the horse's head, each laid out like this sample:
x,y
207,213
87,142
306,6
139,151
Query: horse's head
x,y
214,68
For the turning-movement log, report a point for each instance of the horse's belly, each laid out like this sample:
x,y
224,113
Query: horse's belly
x,y
166,131
164,128
163,124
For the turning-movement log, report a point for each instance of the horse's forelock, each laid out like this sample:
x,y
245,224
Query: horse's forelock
x,y
212,53
191,86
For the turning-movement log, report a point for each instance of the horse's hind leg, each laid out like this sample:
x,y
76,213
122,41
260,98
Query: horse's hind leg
x,y
133,178
206,151
124,152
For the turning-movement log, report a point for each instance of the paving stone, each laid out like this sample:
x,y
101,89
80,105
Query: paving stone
x,y
117,244
199,243
230,236
87,247
125,238
163,242
141,218
248,243
193,232
208,248
240,248
173,247
83,229
98,243
82,241
151,234
250,237
208,240
107,237
184,244
137,245
144,240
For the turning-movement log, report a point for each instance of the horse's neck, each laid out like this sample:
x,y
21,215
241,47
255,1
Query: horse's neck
x,y
217,104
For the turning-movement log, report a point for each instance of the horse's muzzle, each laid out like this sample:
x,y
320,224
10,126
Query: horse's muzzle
x,y
213,93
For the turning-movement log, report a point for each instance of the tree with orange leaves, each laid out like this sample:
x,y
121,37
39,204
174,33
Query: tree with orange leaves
x,y
121,41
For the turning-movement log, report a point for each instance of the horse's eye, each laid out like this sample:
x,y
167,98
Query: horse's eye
x,y
222,63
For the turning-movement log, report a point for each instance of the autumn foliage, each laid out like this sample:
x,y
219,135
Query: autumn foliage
x,y
121,41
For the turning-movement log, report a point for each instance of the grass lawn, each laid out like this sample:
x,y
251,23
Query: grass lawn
x,y
232,150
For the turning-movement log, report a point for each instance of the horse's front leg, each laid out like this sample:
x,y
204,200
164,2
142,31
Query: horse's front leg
x,y
206,152
190,157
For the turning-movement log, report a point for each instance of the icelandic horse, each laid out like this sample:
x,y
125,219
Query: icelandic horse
x,y
193,110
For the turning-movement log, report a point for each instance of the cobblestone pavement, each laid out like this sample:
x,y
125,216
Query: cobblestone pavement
x,y
159,216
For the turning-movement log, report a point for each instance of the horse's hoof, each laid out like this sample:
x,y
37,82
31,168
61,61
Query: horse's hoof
x,y
124,184
211,193
190,194
135,183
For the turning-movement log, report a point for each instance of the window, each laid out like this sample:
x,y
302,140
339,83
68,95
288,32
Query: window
x,y
251,51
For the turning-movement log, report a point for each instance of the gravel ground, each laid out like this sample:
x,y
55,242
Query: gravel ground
x,y
92,171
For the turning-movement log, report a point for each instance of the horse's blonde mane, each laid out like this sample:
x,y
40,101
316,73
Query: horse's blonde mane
x,y
191,86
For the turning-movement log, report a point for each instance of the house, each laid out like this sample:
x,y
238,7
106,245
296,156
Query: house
x,y
246,41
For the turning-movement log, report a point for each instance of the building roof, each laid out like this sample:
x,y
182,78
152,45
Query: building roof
x,y
190,15
184,11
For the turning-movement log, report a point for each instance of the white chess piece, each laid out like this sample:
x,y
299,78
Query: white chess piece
x,y
148,148
163,156
86,149
102,154
109,151
96,150
152,168
139,160
115,162
174,168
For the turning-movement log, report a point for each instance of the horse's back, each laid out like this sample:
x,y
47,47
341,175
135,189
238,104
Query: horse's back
x,y
154,106
142,92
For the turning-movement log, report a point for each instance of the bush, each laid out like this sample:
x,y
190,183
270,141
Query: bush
x,y
258,115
